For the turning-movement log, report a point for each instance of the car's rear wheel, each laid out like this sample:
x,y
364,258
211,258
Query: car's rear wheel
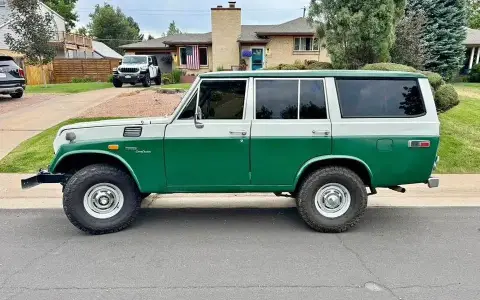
x,y
332,199
17,95
117,83
147,82
101,199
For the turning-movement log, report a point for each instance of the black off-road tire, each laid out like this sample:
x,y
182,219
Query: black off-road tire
x,y
78,185
306,199
17,95
147,82
158,79
117,83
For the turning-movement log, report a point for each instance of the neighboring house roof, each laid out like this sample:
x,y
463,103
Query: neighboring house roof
x,y
105,51
250,34
473,37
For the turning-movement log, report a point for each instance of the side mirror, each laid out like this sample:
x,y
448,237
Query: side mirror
x,y
198,116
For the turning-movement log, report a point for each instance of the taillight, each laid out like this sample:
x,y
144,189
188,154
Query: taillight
x,y
419,144
21,73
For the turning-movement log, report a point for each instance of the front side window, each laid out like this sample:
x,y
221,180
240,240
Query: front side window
x,y
222,99
380,98
276,99
306,44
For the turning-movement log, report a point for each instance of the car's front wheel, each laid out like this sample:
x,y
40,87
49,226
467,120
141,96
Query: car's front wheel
x,y
17,95
332,199
117,83
101,199
147,82
158,79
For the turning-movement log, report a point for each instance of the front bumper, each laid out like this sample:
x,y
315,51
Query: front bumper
x,y
130,78
43,177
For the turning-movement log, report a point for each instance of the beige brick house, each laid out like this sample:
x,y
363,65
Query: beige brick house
x,y
230,42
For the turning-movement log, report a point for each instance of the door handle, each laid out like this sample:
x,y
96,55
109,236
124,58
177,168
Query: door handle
x,y
321,132
239,132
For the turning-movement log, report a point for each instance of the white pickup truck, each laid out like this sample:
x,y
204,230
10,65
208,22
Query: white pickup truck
x,y
137,68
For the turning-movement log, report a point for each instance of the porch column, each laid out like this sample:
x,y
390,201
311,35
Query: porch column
x,y
470,64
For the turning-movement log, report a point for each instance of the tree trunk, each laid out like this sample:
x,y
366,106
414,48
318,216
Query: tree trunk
x,y
44,77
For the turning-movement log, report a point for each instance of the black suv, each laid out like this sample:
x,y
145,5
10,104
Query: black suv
x,y
12,78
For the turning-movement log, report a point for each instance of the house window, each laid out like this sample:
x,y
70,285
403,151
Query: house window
x,y
306,44
2,3
203,56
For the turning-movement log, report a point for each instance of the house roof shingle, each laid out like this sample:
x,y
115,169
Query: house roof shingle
x,y
250,33
105,51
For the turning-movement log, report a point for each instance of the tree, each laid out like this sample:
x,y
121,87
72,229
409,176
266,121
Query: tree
x,y
65,8
32,32
356,32
82,31
150,37
408,49
111,26
444,34
172,30
473,10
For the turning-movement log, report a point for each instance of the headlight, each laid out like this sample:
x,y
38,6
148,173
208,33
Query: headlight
x,y
143,69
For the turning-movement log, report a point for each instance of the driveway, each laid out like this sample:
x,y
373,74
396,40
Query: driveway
x,y
394,253
23,118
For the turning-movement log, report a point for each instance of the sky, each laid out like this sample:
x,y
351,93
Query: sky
x,y
193,16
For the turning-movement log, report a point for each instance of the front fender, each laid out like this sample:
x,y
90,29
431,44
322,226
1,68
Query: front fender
x,y
59,158
326,158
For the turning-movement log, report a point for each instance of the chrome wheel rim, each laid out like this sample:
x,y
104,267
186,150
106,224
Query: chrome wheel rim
x,y
332,200
103,200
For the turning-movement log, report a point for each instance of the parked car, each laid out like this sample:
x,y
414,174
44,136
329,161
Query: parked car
x,y
327,138
137,68
12,78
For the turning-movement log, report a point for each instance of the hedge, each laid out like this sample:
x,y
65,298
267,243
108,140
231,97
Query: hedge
x,y
389,67
446,97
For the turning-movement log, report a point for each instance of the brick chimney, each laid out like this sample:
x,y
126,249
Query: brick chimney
x,y
226,29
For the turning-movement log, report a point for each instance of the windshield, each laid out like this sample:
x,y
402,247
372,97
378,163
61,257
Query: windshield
x,y
135,60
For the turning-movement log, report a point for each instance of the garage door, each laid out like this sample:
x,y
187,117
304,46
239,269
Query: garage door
x,y
164,67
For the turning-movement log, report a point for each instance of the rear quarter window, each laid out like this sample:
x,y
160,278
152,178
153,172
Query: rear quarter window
x,y
380,98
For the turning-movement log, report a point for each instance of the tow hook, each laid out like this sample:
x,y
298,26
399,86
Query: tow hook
x,y
398,189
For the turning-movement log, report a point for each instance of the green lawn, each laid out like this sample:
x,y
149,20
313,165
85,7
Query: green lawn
x,y
68,88
460,133
459,143
36,152
184,86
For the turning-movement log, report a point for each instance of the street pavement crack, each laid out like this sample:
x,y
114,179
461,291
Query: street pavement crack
x,y
364,265
428,286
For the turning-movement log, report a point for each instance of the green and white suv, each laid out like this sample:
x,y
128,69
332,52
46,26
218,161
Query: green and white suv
x,y
327,138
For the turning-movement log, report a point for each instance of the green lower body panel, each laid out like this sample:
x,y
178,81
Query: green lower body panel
x,y
390,159
207,163
277,161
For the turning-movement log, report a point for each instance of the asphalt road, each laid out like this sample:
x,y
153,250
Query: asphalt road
x,y
395,253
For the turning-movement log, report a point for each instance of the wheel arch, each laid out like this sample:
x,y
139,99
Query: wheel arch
x,y
76,160
355,164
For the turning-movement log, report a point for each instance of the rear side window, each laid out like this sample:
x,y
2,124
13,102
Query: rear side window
x,y
380,98
280,99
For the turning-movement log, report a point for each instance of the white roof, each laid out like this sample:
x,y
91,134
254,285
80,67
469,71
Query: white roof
x,y
105,51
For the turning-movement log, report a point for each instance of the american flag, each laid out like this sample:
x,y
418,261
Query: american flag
x,y
193,58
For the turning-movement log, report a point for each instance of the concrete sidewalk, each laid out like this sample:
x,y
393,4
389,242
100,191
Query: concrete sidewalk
x,y
23,123
454,191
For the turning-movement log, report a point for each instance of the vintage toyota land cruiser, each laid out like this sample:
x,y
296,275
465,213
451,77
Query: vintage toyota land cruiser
x,y
328,138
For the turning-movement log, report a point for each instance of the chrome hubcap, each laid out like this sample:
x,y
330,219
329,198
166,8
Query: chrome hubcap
x,y
332,200
103,200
